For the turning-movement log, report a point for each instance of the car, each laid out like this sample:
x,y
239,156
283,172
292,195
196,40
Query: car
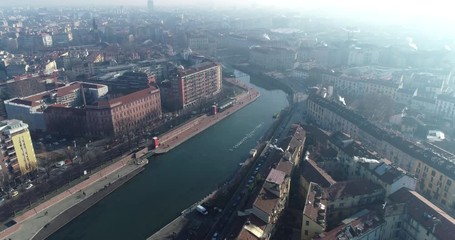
x,y
14,193
60,164
29,186
2,199
215,236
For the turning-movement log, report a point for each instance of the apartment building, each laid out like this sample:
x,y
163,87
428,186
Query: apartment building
x,y
272,59
364,225
314,212
445,106
190,86
411,216
434,172
357,162
18,156
272,199
30,109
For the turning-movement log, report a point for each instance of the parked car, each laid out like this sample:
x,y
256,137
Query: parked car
x,y
60,164
28,186
14,193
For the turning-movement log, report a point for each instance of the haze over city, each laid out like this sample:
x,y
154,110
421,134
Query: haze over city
x,y
223,120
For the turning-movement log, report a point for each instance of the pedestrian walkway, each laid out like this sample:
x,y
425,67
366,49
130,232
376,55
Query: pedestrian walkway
x,y
35,219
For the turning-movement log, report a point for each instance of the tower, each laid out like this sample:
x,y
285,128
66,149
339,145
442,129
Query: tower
x,y
150,5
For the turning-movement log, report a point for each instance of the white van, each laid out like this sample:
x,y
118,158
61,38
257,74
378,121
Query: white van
x,y
201,210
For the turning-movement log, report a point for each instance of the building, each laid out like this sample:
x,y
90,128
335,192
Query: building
x,y
190,86
445,106
272,59
314,212
364,225
294,143
435,173
82,109
18,156
357,162
150,6
348,197
197,42
271,200
129,82
30,109
120,116
410,216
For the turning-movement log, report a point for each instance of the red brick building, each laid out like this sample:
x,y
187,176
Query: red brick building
x,y
107,117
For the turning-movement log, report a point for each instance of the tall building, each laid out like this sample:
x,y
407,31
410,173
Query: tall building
x,y
150,5
18,156
192,85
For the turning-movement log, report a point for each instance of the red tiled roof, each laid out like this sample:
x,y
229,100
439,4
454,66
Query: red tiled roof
x,y
285,166
68,89
266,201
420,209
128,98
313,173
247,235
276,176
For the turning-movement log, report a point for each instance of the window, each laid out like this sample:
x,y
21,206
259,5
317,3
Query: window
x,y
306,232
307,223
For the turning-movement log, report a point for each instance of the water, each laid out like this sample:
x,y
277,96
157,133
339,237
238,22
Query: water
x,y
174,181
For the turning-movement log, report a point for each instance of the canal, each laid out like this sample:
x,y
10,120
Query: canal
x,y
174,181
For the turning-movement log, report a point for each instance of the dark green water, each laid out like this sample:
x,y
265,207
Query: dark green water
x,y
174,181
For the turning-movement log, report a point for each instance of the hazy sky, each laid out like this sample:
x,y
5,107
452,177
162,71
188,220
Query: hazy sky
x,y
435,9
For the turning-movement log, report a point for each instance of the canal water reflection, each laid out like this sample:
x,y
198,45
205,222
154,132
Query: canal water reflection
x,y
174,181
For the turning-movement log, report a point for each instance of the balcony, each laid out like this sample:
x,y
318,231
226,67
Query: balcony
x,y
11,152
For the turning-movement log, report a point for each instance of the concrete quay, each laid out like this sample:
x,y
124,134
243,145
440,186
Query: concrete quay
x,y
34,220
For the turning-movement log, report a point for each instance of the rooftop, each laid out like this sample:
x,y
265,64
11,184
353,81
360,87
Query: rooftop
x,y
434,160
425,213
276,176
354,228
313,173
266,201
315,205
351,188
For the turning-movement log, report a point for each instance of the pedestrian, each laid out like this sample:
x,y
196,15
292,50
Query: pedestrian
x,y
45,213
83,193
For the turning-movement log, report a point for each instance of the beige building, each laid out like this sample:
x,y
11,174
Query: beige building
x,y
18,156
314,212
410,216
435,174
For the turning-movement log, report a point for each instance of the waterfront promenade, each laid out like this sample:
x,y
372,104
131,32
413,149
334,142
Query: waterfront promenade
x,y
33,220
